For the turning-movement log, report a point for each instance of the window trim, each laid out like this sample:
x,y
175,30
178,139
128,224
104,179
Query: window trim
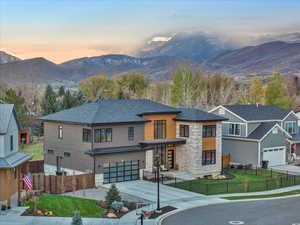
x,y
86,137
60,133
234,130
213,129
130,133
11,143
103,135
160,124
212,161
293,127
184,130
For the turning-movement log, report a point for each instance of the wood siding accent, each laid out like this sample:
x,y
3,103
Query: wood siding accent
x,y
209,143
170,125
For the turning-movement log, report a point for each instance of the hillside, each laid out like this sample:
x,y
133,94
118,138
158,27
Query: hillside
x,y
6,58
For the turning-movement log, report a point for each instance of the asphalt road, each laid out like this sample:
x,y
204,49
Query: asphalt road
x,y
263,212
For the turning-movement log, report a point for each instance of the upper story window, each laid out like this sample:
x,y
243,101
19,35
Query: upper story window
x,y
159,129
209,131
86,135
60,132
130,133
291,127
235,129
103,135
11,142
184,130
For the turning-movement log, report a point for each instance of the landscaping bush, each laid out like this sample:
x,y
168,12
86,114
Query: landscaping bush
x,y
76,220
112,195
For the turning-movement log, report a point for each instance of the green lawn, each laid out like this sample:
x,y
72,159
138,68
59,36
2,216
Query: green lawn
x,y
36,150
296,192
242,182
65,206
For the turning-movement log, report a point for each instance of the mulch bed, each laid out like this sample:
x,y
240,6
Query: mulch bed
x,y
130,205
164,210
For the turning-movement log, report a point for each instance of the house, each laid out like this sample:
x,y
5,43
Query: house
x,y
116,139
254,133
11,159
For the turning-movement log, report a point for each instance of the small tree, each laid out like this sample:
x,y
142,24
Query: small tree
x,y
76,220
112,195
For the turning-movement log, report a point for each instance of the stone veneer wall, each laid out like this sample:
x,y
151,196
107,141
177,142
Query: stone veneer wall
x,y
189,155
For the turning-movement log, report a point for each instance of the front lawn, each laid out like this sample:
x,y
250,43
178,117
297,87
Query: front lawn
x,y
65,206
243,181
36,150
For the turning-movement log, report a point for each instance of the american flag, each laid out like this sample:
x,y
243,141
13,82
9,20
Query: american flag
x,y
28,183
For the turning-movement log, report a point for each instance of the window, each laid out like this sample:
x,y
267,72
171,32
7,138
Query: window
x,y
50,152
130,133
159,129
209,157
60,132
11,142
209,131
103,135
235,129
221,111
184,130
291,127
67,154
86,135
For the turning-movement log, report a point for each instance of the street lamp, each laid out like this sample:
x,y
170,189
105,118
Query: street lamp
x,y
158,160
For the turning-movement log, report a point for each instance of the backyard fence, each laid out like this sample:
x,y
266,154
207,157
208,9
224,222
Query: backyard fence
x,y
60,184
33,167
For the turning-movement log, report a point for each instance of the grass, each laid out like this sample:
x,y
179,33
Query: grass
x,y
36,150
65,206
243,181
295,192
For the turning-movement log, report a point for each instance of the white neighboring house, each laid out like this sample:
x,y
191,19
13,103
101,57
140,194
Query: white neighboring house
x,y
11,159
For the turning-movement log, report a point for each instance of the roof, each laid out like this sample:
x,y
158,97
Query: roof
x,y
258,112
14,160
6,112
197,115
261,130
109,150
111,111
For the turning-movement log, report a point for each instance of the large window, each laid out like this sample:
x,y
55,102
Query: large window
x,y
209,157
60,132
184,130
130,133
103,135
86,135
159,129
209,131
291,127
235,129
11,142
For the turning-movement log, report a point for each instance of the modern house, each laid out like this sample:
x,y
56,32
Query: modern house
x,y
254,133
11,159
115,139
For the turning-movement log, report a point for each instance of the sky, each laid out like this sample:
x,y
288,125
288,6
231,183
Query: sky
x,y
60,30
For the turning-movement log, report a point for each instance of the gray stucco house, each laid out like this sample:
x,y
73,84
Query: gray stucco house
x,y
116,139
258,132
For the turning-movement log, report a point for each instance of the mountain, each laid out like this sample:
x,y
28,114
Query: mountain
x,y
262,59
154,67
37,70
198,47
288,37
6,58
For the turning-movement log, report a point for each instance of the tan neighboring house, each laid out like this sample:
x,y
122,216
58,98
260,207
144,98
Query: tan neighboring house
x,y
11,159
116,139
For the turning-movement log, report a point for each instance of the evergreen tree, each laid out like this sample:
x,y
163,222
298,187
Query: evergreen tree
x,y
76,220
112,195
68,100
49,103
275,92
61,91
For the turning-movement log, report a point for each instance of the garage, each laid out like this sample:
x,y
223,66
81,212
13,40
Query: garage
x,y
276,156
121,171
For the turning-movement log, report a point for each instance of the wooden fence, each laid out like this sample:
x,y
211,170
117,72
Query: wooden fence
x,y
60,184
33,167
226,161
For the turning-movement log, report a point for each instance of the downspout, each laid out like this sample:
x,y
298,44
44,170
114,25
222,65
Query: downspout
x,y
92,148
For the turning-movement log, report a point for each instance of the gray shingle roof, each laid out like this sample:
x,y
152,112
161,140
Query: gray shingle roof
x,y
6,112
261,130
14,160
258,112
110,111
197,115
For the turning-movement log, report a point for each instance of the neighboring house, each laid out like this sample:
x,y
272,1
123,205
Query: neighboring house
x,y
117,138
11,159
257,132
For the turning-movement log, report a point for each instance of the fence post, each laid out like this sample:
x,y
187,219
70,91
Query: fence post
x,y
175,181
256,170
294,179
267,184
227,187
206,188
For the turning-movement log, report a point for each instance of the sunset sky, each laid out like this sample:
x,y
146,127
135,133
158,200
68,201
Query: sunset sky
x,y
60,30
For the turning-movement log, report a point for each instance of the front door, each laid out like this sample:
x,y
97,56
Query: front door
x,y
171,159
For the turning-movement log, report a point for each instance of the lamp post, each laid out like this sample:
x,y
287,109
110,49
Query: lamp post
x,y
158,159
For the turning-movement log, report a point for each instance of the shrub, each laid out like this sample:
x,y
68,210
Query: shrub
x,y
76,220
112,196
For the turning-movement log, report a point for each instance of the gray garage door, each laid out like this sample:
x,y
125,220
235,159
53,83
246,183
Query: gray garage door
x,y
121,171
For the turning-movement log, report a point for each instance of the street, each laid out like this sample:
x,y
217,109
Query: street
x,y
263,212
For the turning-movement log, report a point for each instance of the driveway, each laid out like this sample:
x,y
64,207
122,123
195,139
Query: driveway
x,y
295,170
148,191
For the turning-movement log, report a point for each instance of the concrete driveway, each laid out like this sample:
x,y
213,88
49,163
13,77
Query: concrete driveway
x,y
295,170
148,191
